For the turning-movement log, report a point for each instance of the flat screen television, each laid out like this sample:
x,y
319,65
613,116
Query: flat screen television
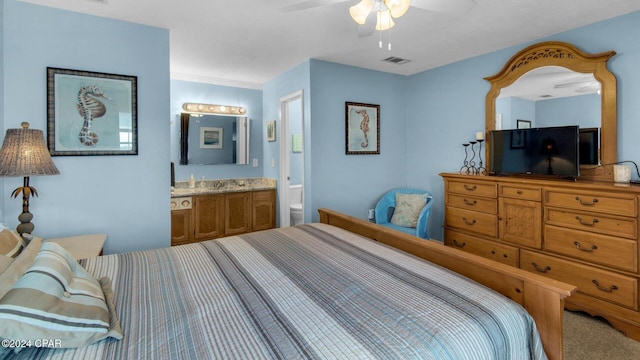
x,y
550,151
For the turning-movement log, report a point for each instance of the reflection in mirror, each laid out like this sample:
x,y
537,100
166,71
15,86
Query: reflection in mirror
x,y
555,96
551,96
214,139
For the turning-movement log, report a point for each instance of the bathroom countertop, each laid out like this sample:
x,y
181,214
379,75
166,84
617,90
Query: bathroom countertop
x,y
220,186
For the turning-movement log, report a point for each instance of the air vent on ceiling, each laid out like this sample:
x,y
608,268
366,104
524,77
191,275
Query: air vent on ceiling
x,y
396,60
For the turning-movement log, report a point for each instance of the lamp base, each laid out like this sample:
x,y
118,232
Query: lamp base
x,y
25,225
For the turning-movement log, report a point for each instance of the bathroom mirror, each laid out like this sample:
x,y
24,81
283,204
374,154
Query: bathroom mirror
x,y
214,139
559,58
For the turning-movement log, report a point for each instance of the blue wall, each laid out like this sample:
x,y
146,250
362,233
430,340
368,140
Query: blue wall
x,y
286,84
250,99
353,183
581,110
126,197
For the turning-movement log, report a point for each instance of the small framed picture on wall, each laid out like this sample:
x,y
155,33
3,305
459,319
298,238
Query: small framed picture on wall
x,y
271,130
362,128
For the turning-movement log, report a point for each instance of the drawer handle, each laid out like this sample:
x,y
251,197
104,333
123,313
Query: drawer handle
x,y
470,203
602,288
592,223
460,245
586,203
472,222
470,188
539,269
577,244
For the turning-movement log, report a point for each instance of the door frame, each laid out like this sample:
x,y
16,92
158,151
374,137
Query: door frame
x,y
285,158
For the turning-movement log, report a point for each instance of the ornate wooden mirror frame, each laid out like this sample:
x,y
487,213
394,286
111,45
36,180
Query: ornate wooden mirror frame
x,y
554,53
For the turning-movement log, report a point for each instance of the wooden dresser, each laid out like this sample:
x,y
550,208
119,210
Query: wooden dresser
x,y
583,233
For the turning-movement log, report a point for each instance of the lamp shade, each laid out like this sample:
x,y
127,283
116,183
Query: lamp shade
x,y
360,11
397,7
24,153
385,22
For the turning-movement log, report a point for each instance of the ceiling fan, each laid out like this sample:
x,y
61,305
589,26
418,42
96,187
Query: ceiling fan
x,y
585,84
378,15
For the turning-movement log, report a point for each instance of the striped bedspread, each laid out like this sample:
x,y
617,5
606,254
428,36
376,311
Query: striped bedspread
x,y
307,292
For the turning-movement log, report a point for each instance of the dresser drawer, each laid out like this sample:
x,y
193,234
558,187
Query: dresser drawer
x,y
470,187
488,206
597,223
607,203
518,192
473,221
489,249
602,284
599,249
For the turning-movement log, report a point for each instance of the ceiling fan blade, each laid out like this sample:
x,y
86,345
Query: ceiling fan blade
x,y
308,4
369,26
445,6
577,84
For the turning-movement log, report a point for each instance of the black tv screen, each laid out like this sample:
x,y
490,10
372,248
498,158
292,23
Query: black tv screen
x,y
552,151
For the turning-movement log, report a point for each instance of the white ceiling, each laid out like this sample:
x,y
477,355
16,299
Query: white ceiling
x,y
247,43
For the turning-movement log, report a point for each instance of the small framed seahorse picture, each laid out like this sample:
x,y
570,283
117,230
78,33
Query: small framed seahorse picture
x,y
362,128
91,113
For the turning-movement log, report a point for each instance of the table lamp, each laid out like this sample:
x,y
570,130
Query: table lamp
x,y
24,153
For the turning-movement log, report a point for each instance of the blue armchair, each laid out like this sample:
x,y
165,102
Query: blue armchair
x,y
386,205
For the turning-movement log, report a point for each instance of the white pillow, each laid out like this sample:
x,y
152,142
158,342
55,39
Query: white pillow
x,y
407,209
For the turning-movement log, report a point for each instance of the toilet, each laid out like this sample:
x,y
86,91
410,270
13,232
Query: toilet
x,y
295,205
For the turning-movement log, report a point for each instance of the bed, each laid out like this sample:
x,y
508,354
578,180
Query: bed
x,y
336,289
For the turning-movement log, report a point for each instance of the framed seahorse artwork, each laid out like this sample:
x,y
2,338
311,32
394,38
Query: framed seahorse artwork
x,y
362,128
91,113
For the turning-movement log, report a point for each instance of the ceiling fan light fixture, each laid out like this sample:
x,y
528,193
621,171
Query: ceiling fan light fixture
x,y
385,21
397,7
360,11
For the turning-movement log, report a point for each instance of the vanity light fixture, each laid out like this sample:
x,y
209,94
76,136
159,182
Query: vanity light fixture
x,y
213,109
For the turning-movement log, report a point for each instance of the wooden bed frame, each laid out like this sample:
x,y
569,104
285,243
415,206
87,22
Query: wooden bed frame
x,y
543,298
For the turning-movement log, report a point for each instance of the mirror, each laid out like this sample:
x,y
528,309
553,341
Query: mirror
x,y
214,139
557,69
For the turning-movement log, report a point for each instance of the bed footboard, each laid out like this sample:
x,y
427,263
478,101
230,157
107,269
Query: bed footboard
x,y
543,298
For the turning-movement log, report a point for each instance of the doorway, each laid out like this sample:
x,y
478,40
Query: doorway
x,y
291,160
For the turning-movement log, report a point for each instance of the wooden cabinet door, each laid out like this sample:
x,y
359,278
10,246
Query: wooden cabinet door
x,y
263,210
209,221
181,227
520,222
237,213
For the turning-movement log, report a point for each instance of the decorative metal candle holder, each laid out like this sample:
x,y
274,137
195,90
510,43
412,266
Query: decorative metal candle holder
x,y
465,169
472,163
469,165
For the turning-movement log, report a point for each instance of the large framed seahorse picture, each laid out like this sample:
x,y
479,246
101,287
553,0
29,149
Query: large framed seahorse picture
x,y
91,113
362,131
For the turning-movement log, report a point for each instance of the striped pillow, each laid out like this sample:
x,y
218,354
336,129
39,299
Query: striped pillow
x,y
57,299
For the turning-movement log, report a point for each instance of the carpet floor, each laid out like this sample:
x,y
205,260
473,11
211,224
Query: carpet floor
x,y
587,337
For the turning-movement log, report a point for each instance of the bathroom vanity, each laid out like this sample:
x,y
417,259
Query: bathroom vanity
x,y
217,208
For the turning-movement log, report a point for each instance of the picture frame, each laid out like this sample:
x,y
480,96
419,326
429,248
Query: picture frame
x,y
91,113
296,143
518,139
211,137
523,124
362,129
271,130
